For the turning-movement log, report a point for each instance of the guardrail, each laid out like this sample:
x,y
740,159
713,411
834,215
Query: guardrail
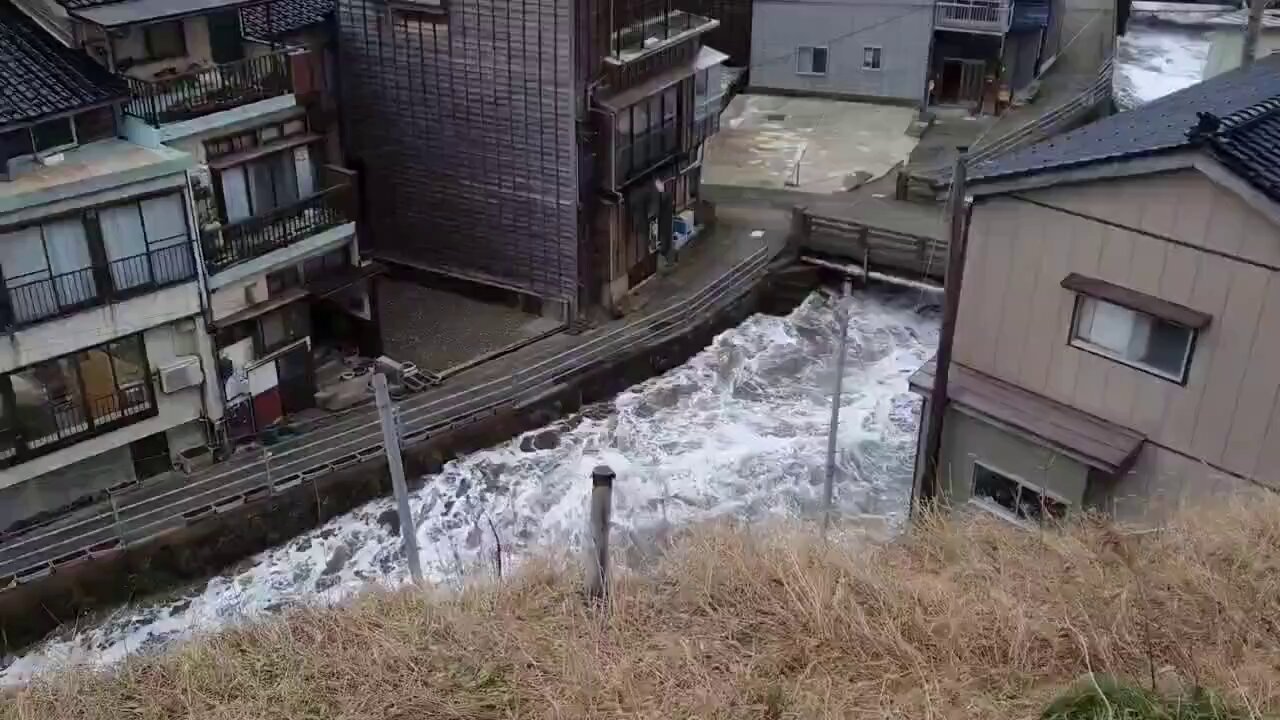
x,y
1046,125
914,257
132,520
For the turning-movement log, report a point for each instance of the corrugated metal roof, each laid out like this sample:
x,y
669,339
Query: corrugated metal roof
x,y
40,77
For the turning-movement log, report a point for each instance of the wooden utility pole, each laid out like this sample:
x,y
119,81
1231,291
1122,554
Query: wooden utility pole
x,y
395,463
1252,29
958,208
828,486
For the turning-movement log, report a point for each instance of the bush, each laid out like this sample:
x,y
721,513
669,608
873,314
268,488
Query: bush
x,y
1105,698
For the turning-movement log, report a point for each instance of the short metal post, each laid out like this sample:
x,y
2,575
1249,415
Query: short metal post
x,y
115,518
266,464
598,554
395,463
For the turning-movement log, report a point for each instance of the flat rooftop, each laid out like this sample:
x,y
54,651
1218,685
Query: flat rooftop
x,y
88,168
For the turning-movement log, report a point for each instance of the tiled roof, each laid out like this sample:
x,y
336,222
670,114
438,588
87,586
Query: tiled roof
x,y
39,76
285,16
1159,126
1248,142
78,4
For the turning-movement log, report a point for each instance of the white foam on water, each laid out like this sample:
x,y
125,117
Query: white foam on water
x,y
739,430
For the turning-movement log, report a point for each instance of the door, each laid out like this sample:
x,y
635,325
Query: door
x,y
961,81
225,43
297,380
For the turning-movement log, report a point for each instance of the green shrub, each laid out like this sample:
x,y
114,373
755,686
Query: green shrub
x,y
1105,698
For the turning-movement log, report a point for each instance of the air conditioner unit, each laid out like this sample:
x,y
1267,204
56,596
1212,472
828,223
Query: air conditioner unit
x,y
181,375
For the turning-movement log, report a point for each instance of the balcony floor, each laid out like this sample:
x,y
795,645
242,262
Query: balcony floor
x,y
440,330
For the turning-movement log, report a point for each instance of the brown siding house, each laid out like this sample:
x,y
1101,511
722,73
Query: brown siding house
x,y
1117,344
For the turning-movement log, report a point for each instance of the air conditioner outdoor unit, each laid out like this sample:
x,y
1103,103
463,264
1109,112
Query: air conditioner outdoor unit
x,y
181,375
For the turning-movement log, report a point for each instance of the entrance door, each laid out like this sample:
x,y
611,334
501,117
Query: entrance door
x,y
297,380
225,43
961,81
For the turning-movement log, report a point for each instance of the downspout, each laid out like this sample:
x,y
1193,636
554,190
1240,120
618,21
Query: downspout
x,y
206,348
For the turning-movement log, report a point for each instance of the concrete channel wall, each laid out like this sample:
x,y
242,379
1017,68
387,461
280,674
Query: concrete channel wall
x,y
239,510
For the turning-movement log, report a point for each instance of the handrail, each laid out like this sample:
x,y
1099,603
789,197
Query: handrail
x,y
1033,130
211,89
253,237
359,437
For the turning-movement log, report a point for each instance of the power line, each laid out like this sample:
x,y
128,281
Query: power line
x,y
845,36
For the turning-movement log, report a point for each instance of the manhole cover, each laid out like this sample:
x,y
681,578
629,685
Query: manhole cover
x,y
775,117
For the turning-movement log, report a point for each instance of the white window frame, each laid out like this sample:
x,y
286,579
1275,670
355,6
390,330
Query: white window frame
x,y
810,72
990,506
1076,341
879,58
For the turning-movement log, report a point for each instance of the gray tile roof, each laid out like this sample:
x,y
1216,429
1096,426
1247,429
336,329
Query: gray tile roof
x,y
286,16
1248,142
1160,126
40,77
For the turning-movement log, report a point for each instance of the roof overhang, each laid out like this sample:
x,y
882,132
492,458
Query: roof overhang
x,y
1114,169
1089,439
137,12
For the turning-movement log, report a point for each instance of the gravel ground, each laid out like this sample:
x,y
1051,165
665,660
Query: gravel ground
x,y
439,330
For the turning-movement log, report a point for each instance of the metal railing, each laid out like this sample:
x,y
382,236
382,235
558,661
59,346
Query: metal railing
x,y
978,16
220,87
30,302
1055,120
236,242
57,422
131,519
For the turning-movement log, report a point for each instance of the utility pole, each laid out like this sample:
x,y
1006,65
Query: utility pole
x,y
1252,29
395,463
828,487
597,580
958,209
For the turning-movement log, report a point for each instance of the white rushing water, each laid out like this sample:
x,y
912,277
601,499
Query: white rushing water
x,y
739,430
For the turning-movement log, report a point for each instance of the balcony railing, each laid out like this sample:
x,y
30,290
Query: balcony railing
x,y
27,302
253,237
983,16
221,87
63,421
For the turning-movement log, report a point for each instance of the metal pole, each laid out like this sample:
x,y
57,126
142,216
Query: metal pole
x,y
1252,29
828,488
391,441
598,554
927,487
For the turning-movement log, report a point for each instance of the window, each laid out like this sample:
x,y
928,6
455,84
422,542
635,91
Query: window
x,y
811,60
54,135
260,186
164,40
1132,337
871,58
1012,499
47,269
61,400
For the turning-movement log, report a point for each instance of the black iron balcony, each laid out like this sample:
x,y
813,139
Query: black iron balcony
x,y
253,237
27,302
209,90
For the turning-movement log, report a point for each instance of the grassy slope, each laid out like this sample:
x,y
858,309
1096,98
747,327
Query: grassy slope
x,y
959,620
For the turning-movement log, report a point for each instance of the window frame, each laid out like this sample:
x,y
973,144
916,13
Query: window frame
x,y
149,46
22,451
826,60
877,55
1074,340
991,506
55,149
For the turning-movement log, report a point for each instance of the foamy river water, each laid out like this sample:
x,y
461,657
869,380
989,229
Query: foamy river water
x,y
740,430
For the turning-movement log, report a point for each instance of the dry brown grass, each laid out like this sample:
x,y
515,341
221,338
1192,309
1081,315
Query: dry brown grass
x,y
957,620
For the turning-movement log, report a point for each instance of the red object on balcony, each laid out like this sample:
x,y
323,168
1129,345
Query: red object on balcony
x,y
267,407
307,77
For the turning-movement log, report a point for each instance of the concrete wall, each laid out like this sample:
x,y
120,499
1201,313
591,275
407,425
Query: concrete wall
x,y
65,485
901,29
1015,317
966,440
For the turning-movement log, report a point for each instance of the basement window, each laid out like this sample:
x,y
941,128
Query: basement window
x,y
1011,499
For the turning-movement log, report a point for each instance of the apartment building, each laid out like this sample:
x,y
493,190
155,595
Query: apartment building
x,y
551,148
244,89
105,365
1117,343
